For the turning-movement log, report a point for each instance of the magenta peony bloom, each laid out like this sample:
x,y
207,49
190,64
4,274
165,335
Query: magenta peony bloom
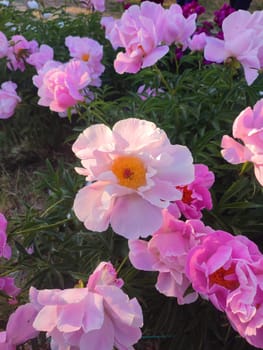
x,y
19,51
176,28
8,99
247,127
3,45
222,13
5,249
38,59
133,172
196,195
244,306
61,86
167,252
228,270
139,31
100,315
243,41
90,52
215,267
192,7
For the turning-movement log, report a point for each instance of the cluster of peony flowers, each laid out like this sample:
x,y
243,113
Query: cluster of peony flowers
x,y
228,270
99,314
166,252
145,32
64,85
132,180
60,85
7,284
248,128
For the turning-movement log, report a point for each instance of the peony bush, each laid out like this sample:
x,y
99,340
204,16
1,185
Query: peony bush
x,y
141,225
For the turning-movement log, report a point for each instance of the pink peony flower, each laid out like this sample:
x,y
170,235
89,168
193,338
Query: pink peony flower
x,y
197,42
3,45
216,266
15,334
19,51
247,127
5,249
244,306
39,58
196,195
228,270
100,315
8,99
61,86
7,285
134,171
139,31
176,28
243,41
90,52
167,252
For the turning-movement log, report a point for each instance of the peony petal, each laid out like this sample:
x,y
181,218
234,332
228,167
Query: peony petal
x,y
133,217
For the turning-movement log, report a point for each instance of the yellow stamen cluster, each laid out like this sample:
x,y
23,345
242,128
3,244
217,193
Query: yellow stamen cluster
x,y
130,171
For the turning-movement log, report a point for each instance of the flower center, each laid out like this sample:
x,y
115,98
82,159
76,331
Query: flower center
x,y
222,278
130,171
85,57
187,194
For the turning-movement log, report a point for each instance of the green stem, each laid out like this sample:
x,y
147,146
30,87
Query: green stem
x,y
122,263
42,227
163,80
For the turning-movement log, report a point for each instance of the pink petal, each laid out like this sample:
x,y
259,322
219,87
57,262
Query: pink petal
x,y
140,256
99,339
92,205
133,217
233,152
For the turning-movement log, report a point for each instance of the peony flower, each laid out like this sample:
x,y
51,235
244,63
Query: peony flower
x,y
197,42
228,270
7,285
8,99
215,267
90,52
139,32
100,315
247,127
38,59
3,45
15,334
222,13
19,51
167,252
61,86
244,306
5,249
196,195
192,7
133,172
176,28
243,38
